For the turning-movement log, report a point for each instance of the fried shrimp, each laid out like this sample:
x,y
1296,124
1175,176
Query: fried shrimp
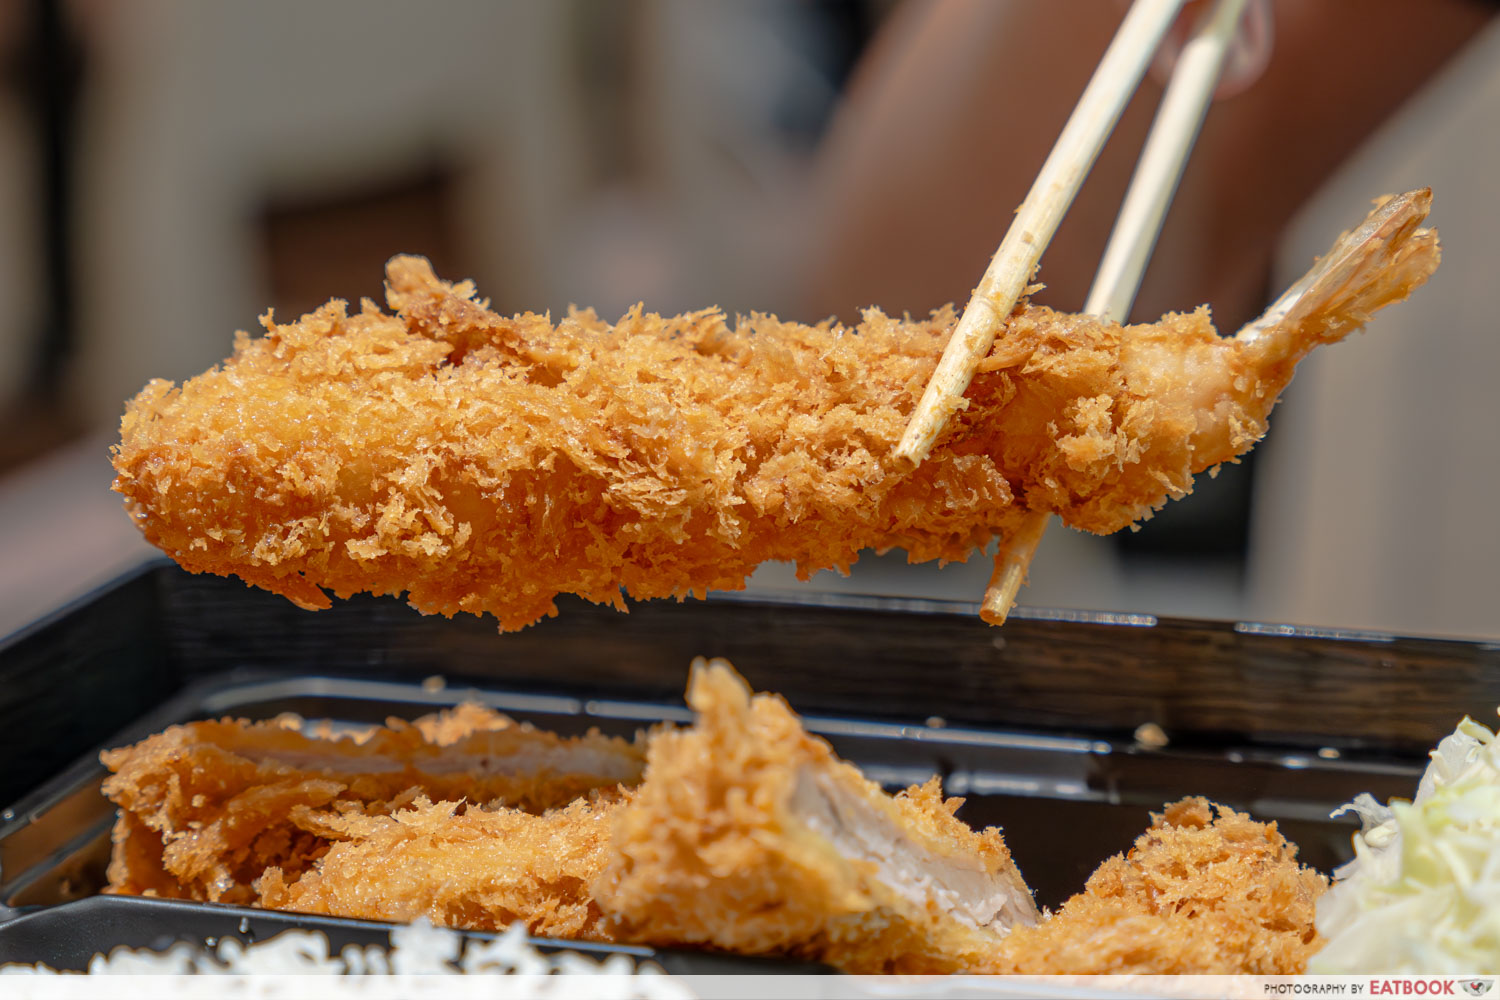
x,y
479,463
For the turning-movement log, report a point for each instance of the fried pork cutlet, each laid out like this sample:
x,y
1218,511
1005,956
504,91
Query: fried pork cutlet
x,y
480,869
750,835
1195,895
480,463
207,807
745,833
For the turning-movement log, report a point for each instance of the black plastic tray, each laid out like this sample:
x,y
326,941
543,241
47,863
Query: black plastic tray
x,y
1033,723
67,937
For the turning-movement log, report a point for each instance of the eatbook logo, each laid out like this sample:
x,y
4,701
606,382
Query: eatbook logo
x,y
1477,987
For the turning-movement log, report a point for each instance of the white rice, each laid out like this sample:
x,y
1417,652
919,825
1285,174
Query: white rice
x,y
420,961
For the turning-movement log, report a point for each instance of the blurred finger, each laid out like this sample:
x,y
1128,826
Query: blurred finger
x,y
1247,58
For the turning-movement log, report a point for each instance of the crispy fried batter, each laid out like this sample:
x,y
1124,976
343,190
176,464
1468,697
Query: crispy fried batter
x,y
1195,895
207,807
479,869
750,835
486,464
745,833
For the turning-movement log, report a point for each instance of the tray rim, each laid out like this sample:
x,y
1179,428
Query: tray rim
x,y
857,602
223,694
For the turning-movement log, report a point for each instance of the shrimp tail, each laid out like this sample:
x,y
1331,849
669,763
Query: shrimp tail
x,y
1378,263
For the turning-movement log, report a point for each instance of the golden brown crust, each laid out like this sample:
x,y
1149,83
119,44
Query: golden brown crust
x,y
481,463
718,846
479,869
1195,895
745,833
711,850
207,807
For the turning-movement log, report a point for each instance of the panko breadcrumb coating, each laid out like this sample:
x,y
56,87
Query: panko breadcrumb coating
x,y
207,807
743,833
477,868
750,835
480,463
1195,895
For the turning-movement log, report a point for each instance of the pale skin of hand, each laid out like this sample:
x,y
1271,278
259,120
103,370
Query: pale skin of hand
x,y
958,102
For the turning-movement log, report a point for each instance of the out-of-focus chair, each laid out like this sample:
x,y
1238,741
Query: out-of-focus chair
x,y
19,231
198,114
20,215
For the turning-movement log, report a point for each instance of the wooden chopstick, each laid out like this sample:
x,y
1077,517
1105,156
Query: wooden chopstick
x,y
1103,100
1158,171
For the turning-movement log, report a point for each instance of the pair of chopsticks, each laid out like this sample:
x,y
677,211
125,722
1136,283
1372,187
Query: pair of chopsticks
x,y
1175,129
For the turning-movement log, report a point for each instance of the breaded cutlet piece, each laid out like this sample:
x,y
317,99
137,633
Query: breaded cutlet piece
x,y
479,869
485,464
744,833
1195,895
750,835
207,807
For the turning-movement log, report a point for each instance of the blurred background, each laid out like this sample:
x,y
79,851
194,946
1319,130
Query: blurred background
x,y
170,169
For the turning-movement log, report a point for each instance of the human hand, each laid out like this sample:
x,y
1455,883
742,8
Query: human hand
x,y
1247,58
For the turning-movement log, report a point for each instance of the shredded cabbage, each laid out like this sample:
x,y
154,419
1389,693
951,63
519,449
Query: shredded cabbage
x,y
1422,894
